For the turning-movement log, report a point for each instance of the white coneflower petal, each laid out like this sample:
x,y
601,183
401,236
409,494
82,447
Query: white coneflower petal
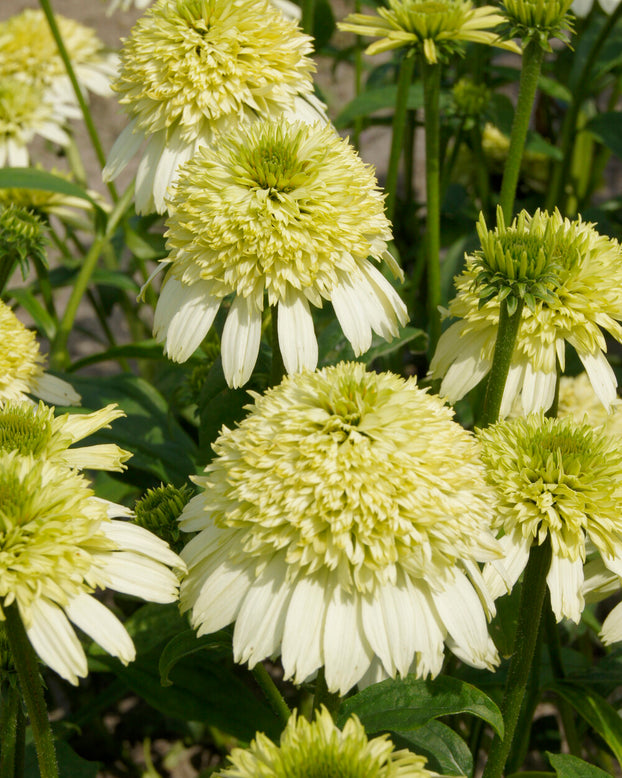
x,y
556,480
100,624
574,274
285,212
183,81
340,525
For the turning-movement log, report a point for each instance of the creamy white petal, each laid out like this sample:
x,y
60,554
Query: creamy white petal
x,y
176,152
221,597
463,616
131,573
131,537
146,173
375,673
303,634
598,581
183,315
54,391
297,341
428,633
104,456
102,626
564,580
392,310
611,631
195,516
484,594
601,375
609,6
55,641
538,390
582,7
389,626
348,310
512,388
500,575
261,620
123,149
347,655
241,337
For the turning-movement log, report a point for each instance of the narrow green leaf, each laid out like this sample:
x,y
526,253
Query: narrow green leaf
x,y
445,750
31,178
567,766
146,349
598,713
409,703
43,321
607,127
187,643
373,100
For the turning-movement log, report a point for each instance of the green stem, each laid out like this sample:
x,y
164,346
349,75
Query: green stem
x,y
7,266
9,730
308,16
358,82
504,348
482,181
88,119
432,123
58,351
559,178
533,56
404,80
31,686
273,695
529,615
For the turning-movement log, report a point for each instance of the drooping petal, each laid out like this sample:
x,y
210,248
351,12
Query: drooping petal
x,y
54,640
564,579
297,340
102,625
241,336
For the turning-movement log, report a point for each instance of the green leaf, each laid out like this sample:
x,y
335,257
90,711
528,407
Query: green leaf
x,y
69,763
607,127
409,703
598,713
416,337
554,89
445,750
158,443
31,178
567,766
145,349
187,643
374,100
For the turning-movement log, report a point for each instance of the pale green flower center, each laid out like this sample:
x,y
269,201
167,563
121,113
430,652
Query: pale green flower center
x,y
546,14
274,165
49,524
350,471
21,105
557,478
429,18
24,431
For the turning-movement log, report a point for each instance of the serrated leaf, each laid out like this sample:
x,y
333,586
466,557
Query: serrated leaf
x,y
409,703
187,643
445,750
598,713
568,766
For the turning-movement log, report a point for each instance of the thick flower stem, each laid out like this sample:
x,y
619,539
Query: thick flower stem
x,y
431,99
273,695
399,124
11,733
58,352
504,348
27,668
529,615
308,16
88,119
557,189
533,55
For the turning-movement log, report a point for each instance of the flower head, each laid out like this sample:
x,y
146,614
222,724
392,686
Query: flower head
x,y
34,430
539,19
28,51
21,370
27,110
560,480
435,27
159,510
569,277
21,239
284,210
192,68
578,400
343,519
57,545
319,749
